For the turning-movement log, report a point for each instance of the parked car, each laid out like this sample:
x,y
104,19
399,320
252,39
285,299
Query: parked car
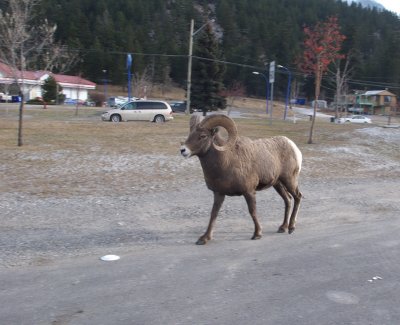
x,y
119,100
89,103
357,119
115,101
142,110
70,101
180,107
5,98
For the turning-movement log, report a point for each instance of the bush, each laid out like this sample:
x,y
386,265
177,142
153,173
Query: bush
x,y
98,98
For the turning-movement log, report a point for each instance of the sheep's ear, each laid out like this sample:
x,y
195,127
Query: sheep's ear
x,y
194,121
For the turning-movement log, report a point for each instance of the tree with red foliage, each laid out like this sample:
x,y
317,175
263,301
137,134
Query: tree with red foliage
x,y
322,45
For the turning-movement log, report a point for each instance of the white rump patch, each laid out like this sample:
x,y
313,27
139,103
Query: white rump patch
x,y
299,156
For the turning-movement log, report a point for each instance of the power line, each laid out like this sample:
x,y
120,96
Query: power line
x,y
371,83
295,72
229,63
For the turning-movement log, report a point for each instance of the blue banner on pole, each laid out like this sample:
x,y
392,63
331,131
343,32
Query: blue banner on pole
x,y
128,61
128,67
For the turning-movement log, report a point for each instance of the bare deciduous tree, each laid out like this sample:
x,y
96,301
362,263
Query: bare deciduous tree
x,y
235,91
340,78
142,85
25,44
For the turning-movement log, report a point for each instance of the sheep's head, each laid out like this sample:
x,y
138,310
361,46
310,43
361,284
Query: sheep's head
x,y
204,135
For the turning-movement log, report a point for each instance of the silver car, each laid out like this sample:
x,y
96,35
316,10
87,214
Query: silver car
x,y
357,119
143,110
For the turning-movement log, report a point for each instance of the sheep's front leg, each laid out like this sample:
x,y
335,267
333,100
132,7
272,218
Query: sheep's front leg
x,y
218,200
251,204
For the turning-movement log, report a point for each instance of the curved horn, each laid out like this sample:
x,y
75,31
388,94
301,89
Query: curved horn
x,y
194,121
215,120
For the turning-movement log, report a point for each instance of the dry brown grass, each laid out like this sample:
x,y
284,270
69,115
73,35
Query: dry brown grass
x,y
66,154
61,127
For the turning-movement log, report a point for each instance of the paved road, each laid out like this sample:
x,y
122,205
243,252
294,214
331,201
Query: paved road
x,y
344,271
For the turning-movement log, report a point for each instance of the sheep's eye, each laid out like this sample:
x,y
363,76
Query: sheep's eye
x,y
203,136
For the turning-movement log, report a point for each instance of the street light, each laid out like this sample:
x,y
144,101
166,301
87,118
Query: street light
x,y
189,73
288,89
267,87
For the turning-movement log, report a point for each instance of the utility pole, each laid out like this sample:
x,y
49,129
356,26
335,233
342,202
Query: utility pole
x,y
189,73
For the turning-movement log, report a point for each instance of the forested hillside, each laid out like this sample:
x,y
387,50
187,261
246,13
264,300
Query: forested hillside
x,y
251,34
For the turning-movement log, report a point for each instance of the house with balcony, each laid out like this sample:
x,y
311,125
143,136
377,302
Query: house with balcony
x,y
376,102
73,87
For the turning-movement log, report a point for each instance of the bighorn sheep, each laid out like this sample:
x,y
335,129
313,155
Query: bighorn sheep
x,y
241,166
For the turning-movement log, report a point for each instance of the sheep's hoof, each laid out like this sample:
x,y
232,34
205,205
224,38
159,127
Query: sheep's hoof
x,y
281,230
291,230
201,241
256,237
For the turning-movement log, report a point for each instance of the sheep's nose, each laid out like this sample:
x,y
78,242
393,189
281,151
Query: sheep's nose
x,y
185,152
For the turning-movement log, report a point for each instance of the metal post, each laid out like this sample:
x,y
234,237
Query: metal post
x,y
129,86
105,85
272,103
287,91
189,73
271,80
267,94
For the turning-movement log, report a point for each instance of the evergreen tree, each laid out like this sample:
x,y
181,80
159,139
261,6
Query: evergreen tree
x,y
49,90
251,33
208,74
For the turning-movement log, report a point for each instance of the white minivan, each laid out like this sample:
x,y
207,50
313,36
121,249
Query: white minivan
x,y
141,110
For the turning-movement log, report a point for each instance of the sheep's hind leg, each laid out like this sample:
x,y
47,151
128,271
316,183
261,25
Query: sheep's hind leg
x,y
297,198
251,204
293,189
280,188
218,200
